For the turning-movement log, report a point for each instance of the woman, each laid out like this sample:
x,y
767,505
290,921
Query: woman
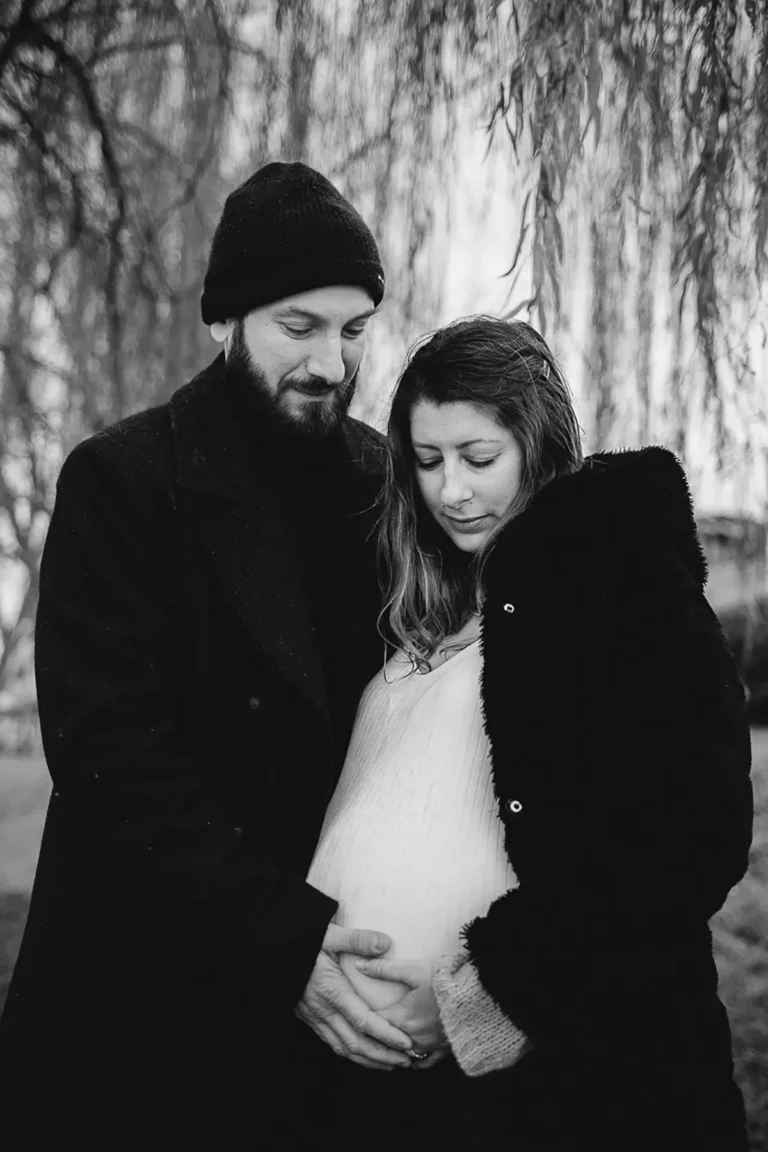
x,y
547,793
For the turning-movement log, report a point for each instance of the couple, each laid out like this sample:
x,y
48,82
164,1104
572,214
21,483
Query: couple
x,y
424,757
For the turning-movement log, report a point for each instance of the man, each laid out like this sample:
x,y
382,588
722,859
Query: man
x,y
207,620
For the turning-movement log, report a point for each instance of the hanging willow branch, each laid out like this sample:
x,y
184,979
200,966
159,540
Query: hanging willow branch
x,y
71,76
668,103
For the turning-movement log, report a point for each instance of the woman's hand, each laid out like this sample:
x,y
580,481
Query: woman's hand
x,y
417,1012
378,994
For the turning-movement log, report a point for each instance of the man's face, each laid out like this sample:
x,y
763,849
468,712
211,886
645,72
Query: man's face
x,y
303,353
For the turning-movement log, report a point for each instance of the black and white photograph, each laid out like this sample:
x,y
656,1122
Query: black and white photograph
x,y
384,575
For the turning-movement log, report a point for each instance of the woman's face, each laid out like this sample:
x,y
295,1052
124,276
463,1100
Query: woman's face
x,y
469,469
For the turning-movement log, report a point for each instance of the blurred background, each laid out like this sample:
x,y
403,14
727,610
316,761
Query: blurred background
x,y
598,167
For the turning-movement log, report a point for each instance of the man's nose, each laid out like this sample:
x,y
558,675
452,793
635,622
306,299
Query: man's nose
x,y
327,362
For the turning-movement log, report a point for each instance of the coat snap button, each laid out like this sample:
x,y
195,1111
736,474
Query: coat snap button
x,y
509,608
513,806
254,703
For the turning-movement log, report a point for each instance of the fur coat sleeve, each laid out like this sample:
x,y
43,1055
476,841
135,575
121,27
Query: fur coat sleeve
x,y
621,759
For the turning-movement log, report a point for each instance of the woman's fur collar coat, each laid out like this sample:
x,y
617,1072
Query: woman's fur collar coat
x,y
621,759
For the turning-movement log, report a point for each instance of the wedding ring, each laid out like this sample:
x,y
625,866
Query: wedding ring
x,y
417,1055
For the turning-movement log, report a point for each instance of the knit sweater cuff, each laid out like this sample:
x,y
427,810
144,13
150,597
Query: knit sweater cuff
x,y
481,1037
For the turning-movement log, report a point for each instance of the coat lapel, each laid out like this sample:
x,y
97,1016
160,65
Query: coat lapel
x,y
240,531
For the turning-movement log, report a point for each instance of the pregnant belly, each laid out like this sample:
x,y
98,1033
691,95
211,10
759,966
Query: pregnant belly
x,y
419,881
419,929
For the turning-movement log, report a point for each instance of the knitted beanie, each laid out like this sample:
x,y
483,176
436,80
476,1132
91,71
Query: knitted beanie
x,y
286,230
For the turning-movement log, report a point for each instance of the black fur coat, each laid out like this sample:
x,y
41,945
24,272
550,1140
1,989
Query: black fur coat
x,y
621,759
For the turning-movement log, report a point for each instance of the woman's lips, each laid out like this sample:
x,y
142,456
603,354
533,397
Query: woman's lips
x,y
467,526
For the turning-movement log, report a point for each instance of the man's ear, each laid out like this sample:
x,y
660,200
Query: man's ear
x,y
221,330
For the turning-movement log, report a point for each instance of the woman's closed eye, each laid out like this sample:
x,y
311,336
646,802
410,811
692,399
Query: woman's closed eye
x,y
428,465
484,463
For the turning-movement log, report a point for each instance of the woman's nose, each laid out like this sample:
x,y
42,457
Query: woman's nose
x,y
455,490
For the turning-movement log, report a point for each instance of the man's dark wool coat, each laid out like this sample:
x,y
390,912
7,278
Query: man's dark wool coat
x,y
195,713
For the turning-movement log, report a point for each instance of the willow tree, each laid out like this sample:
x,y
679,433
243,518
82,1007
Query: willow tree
x,y
110,120
646,122
637,133
120,128
376,96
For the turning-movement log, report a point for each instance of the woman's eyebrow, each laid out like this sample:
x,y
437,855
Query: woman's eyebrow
x,y
464,444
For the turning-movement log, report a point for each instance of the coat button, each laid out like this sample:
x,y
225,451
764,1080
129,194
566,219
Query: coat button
x,y
513,806
509,608
254,703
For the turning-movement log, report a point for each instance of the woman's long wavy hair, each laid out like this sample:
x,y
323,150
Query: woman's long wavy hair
x,y
431,588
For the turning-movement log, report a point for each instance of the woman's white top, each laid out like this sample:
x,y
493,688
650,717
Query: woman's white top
x,y
412,844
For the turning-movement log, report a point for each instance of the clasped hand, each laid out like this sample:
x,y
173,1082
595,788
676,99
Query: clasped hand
x,y
417,1012
342,1018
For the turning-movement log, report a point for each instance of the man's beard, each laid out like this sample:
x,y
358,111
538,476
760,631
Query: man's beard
x,y
315,418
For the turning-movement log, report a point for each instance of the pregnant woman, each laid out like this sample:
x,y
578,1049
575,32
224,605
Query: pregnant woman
x,y
547,794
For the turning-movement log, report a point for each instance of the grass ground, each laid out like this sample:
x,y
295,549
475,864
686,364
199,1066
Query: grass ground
x,y
740,933
740,930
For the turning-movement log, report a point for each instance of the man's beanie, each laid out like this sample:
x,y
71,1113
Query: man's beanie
x,y
286,230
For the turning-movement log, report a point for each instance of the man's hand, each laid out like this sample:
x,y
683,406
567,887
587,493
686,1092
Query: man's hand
x,y
417,1013
332,1008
